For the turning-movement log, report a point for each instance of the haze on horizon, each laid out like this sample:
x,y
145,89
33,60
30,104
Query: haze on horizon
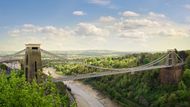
x,y
123,25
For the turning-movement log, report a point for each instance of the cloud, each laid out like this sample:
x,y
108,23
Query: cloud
x,y
141,28
28,29
137,23
187,6
130,14
14,32
145,27
79,13
173,32
53,33
148,26
100,2
134,35
87,29
106,19
152,14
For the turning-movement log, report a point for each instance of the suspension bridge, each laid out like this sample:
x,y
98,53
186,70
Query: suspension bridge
x,y
33,57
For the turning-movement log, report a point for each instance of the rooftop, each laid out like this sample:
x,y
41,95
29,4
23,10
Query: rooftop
x,y
32,45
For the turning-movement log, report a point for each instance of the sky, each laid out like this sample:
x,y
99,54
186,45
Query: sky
x,y
123,25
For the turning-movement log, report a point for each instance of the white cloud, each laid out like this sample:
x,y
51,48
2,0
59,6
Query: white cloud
x,y
149,26
87,29
79,13
14,32
106,19
53,33
132,28
138,23
140,28
187,6
100,2
134,35
173,32
27,29
152,14
130,14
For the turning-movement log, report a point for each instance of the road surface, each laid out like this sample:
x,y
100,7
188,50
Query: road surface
x,y
85,96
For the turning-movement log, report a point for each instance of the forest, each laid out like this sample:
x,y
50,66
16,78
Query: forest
x,y
15,91
139,89
128,90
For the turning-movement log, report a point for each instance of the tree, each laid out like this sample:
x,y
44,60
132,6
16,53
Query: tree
x,y
15,91
3,67
187,62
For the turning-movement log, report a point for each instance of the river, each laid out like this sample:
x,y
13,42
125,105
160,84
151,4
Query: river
x,y
84,94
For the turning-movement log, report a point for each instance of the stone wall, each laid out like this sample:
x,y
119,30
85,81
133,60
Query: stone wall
x,y
171,75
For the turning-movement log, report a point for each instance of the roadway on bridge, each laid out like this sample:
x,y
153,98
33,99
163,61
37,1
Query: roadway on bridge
x,y
84,94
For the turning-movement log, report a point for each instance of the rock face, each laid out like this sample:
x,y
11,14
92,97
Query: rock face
x,y
171,75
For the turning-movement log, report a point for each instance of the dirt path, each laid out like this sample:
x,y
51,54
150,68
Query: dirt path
x,y
84,94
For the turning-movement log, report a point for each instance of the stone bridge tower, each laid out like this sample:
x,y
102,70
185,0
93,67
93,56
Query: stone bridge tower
x,y
32,61
172,59
172,74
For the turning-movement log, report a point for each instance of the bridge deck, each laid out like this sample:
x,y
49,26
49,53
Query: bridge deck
x,y
99,74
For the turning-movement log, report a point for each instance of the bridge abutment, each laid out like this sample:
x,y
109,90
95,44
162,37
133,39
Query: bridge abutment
x,y
173,74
